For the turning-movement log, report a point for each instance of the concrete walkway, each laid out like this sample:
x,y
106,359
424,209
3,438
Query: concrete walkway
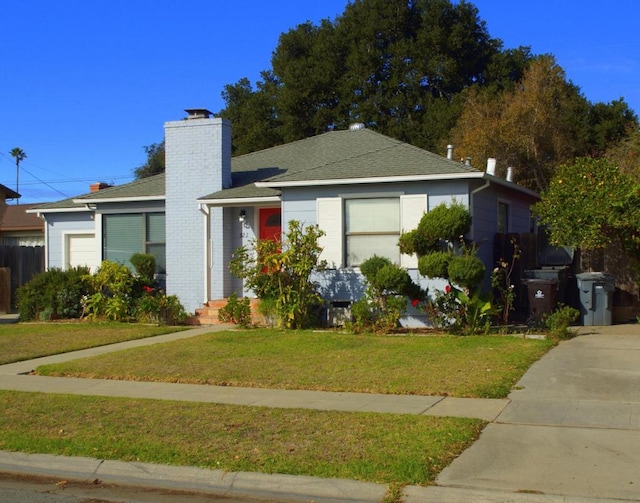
x,y
570,434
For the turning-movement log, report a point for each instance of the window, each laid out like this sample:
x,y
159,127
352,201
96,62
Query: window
x,y
503,217
372,227
126,234
356,228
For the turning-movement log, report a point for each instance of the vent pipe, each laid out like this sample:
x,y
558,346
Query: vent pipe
x,y
491,166
450,152
467,161
509,174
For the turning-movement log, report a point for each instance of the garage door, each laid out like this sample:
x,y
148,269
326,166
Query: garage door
x,y
81,250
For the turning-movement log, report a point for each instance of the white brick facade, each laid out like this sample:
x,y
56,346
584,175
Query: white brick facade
x,y
198,163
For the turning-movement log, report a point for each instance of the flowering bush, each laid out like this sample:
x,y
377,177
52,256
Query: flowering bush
x,y
459,312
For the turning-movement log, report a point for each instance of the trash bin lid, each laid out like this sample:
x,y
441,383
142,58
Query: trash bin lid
x,y
549,255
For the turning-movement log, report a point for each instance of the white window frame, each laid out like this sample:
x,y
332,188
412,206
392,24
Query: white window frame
x,y
330,218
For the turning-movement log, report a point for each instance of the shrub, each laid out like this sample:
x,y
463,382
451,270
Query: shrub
x,y
236,311
282,271
435,265
558,321
385,300
156,307
113,297
466,270
145,266
54,294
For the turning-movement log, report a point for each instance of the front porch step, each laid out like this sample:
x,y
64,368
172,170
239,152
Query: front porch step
x,y
208,313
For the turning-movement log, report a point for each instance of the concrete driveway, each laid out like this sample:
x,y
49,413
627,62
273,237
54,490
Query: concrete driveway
x,y
571,431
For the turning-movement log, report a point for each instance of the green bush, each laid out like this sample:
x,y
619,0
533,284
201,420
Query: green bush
x,y
558,321
466,270
156,307
145,266
385,300
54,294
435,265
236,311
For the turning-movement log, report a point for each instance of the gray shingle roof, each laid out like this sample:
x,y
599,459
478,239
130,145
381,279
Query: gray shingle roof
x,y
344,155
362,153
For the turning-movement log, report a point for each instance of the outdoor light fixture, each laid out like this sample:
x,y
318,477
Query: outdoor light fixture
x,y
243,216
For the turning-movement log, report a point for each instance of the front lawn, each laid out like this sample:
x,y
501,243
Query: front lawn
x,y
475,366
383,448
23,341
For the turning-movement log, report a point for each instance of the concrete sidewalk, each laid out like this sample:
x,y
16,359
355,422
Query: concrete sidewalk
x,y
571,434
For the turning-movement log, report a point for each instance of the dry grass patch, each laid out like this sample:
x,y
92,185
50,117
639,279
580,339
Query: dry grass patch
x,y
23,341
475,366
383,448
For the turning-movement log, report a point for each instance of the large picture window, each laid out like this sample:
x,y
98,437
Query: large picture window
x,y
126,234
372,227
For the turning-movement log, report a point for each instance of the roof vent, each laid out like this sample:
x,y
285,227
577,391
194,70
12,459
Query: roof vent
x,y
356,126
450,152
198,113
491,166
509,174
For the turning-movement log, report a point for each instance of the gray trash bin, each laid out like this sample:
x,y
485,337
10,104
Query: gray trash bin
x,y
596,297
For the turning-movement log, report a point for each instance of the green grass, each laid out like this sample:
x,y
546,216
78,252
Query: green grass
x,y
478,366
383,448
23,341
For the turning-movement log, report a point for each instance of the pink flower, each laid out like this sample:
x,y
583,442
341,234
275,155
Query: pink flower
x,y
447,289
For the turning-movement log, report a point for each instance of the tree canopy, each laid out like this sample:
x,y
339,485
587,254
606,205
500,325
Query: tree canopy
x,y
590,204
426,72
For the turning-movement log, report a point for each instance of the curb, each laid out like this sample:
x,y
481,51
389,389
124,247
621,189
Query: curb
x,y
215,482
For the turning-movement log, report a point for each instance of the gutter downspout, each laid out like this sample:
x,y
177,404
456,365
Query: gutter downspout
x,y
486,185
208,251
46,240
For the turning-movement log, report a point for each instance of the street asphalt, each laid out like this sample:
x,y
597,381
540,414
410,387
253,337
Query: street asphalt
x,y
568,433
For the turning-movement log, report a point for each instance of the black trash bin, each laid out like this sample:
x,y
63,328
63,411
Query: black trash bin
x,y
542,295
596,297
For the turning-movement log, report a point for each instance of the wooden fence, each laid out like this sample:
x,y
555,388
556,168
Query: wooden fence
x,y
23,263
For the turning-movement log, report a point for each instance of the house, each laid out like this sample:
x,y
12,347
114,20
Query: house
x,y
20,228
362,188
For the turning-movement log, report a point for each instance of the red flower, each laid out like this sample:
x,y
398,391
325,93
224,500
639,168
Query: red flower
x,y
447,289
147,289
415,302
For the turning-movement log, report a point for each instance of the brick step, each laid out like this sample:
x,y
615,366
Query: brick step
x,y
208,313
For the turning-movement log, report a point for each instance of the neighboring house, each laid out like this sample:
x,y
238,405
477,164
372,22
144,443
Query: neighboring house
x,y
19,228
362,188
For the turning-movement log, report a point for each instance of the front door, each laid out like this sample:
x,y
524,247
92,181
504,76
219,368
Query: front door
x,y
270,224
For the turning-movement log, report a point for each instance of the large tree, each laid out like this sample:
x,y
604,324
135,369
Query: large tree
x,y
591,203
397,66
539,123
155,161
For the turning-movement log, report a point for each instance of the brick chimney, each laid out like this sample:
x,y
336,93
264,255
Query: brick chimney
x,y
95,187
198,163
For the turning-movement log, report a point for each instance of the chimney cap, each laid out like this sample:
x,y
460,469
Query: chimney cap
x,y
198,113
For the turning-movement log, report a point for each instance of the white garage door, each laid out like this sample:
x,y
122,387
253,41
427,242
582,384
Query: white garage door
x,y
81,250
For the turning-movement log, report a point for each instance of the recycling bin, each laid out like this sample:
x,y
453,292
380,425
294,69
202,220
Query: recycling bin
x,y
542,295
596,297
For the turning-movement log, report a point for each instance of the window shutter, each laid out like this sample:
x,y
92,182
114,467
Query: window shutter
x,y
412,207
329,210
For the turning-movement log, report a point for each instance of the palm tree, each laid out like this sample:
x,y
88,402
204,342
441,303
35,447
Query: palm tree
x,y
19,155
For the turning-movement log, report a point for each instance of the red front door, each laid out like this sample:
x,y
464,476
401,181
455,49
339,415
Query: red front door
x,y
270,224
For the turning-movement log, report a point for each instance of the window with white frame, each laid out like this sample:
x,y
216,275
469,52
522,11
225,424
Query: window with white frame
x,y
372,227
356,228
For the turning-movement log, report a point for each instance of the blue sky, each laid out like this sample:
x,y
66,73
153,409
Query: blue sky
x,y
85,85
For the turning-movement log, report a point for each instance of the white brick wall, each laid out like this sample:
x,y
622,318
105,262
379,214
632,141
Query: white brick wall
x,y
198,163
